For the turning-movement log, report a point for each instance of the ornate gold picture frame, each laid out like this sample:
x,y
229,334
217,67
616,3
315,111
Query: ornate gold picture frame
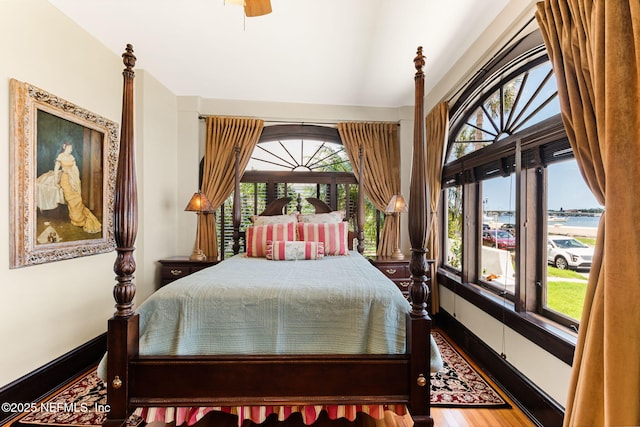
x,y
62,181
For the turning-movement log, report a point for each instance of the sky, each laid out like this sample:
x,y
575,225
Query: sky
x,y
567,190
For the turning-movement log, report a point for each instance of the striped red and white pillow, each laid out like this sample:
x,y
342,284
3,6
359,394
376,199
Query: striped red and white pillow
x,y
287,251
333,235
258,236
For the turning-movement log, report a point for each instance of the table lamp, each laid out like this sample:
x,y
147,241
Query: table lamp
x,y
199,204
396,205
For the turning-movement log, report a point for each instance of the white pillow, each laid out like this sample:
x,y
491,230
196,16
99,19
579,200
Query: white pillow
x,y
322,218
273,219
286,250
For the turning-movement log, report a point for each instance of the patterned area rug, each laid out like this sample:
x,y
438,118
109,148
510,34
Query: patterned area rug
x,y
83,403
459,384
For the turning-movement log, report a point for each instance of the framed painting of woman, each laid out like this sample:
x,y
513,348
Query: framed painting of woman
x,y
62,185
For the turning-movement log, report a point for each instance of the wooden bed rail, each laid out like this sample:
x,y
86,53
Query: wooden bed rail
x,y
252,379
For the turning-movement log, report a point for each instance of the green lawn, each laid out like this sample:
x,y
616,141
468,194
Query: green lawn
x,y
589,241
565,274
566,297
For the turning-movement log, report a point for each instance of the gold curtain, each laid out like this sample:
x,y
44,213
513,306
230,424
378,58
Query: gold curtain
x,y
224,134
437,132
594,47
381,150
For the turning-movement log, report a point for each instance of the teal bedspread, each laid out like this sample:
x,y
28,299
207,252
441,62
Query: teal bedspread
x,y
335,305
339,304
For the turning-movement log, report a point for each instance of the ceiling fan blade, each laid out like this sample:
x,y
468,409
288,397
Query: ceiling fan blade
x,y
257,7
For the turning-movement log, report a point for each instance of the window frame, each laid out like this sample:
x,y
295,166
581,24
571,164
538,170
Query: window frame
x,y
531,151
525,154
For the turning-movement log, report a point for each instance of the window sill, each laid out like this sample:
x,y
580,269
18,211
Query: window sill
x,y
553,337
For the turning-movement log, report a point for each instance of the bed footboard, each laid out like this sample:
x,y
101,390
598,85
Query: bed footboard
x,y
268,380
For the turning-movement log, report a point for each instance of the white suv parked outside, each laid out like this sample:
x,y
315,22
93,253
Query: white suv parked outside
x,y
566,252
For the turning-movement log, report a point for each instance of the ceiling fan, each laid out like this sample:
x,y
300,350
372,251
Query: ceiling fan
x,y
253,7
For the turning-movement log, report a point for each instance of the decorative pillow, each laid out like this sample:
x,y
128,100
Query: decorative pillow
x,y
333,235
322,218
284,251
258,236
273,219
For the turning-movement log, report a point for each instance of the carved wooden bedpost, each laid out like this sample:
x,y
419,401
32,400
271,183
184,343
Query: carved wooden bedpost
x,y
237,217
360,218
420,328
122,340
126,198
299,203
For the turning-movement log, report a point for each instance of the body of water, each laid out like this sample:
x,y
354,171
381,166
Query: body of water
x,y
571,221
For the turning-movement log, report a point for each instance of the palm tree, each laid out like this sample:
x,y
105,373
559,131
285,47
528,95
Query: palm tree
x,y
496,110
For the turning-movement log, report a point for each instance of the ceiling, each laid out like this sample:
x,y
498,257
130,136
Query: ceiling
x,y
336,52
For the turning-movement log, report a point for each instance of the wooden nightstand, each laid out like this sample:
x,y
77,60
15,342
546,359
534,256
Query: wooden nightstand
x,y
397,270
180,266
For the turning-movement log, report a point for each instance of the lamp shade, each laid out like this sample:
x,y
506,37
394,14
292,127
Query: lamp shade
x,y
257,7
253,7
397,204
199,203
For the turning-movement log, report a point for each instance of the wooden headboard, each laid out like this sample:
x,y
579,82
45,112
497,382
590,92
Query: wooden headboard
x,y
277,206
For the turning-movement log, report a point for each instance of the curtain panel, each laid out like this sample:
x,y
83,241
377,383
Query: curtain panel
x,y
437,133
381,151
594,47
224,134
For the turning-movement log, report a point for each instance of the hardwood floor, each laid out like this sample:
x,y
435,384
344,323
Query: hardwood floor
x,y
456,417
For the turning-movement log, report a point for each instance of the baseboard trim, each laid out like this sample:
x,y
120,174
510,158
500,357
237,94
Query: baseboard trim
x,y
37,384
539,406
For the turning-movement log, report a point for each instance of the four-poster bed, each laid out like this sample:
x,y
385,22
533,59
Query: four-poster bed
x,y
395,375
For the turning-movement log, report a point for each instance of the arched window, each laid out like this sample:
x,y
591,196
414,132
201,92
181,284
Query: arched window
x,y
510,174
298,161
514,104
297,148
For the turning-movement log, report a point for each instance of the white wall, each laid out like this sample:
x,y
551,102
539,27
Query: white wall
x,y
513,22
157,147
545,370
50,309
